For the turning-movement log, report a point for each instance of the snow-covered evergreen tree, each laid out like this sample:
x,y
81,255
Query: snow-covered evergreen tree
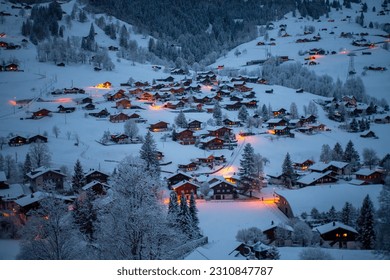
x,y
288,171
351,155
185,219
181,120
264,112
337,152
78,178
383,236
366,224
194,215
243,114
27,166
312,109
348,215
148,153
247,170
173,210
85,214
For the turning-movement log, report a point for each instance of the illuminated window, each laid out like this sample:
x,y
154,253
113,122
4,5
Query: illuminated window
x,y
345,235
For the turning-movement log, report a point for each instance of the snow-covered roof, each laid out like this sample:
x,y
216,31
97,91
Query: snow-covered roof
x,y
42,170
180,172
332,226
280,127
357,182
207,139
29,199
365,172
323,197
93,171
14,191
312,177
338,164
93,183
220,181
284,226
179,184
274,120
319,166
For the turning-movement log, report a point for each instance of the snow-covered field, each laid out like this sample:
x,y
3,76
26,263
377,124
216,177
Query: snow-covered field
x,y
219,221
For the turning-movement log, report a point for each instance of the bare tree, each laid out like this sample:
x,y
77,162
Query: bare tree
x,y
39,154
56,131
369,157
131,129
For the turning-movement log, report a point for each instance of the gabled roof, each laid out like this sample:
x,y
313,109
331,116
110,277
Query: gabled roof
x,y
365,172
338,164
332,226
282,226
13,192
95,171
219,182
30,199
42,170
181,173
181,183
312,177
93,183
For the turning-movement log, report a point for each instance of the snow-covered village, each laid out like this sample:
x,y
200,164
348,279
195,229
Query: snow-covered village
x,y
234,130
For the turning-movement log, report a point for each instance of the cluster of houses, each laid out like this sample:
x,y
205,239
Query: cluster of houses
x,y
19,199
309,173
12,67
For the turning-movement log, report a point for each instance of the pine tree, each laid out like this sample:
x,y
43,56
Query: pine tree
x,y
85,214
184,218
332,214
181,120
194,215
243,114
247,170
365,224
264,112
123,37
294,111
78,179
348,214
383,236
173,210
148,153
337,152
288,171
351,156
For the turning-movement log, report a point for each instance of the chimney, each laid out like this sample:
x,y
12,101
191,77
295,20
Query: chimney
x,y
334,223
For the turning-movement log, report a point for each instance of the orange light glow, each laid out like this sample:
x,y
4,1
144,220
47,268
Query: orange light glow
x,y
271,131
155,107
103,86
63,100
12,102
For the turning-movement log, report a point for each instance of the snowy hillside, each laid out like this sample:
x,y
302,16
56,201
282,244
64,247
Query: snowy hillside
x,y
77,135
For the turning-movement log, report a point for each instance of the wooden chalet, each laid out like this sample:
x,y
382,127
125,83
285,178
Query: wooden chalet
x,y
141,84
89,107
276,122
243,88
101,114
308,120
273,232
315,178
280,130
234,107
119,138
147,96
63,109
41,113
123,104
120,94
230,123
337,233
17,141
188,167
185,137
223,190
211,143
174,105
37,139
369,134
220,132
303,165
178,71
178,177
97,187
86,100
250,104
279,113
195,125
337,167
96,175
269,90
121,117
370,176
136,91
160,126
185,188
46,178
177,90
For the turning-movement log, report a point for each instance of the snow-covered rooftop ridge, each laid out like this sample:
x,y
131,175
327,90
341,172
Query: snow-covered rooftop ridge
x,y
332,226
313,176
184,182
42,170
365,171
13,192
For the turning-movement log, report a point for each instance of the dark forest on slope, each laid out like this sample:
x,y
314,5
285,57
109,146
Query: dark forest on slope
x,y
204,29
